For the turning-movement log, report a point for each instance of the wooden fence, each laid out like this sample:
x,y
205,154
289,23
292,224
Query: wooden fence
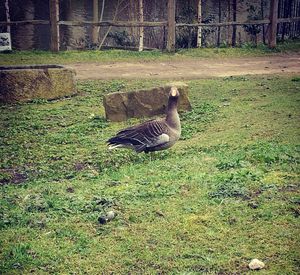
x,y
170,24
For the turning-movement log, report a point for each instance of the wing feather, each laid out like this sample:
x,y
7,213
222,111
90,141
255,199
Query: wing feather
x,y
140,137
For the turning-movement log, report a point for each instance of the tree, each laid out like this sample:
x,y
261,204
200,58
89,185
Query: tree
x,y
234,9
199,17
141,20
253,29
7,15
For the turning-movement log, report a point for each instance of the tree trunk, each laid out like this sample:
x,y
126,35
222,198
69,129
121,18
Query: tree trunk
x,y
219,28
54,27
7,15
262,17
234,20
228,40
102,10
114,19
95,19
101,16
285,14
297,23
293,14
273,23
141,20
199,17
132,13
289,15
171,26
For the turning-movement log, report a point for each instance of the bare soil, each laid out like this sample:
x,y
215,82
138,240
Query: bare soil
x,y
190,68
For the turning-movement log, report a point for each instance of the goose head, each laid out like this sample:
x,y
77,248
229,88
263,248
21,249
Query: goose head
x,y
174,93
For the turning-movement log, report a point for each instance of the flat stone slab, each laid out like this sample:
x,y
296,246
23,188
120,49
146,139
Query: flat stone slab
x,y
25,83
121,106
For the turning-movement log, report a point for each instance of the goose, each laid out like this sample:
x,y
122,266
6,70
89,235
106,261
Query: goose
x,y
153,135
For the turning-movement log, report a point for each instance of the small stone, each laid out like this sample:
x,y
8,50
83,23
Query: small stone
x,y
110,215
256,264
102,220
232,220
159,213
70,190
17,265
253,204
114,183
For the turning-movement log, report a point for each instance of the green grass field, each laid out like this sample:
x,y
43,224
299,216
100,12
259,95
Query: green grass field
x,y
226,193
65,57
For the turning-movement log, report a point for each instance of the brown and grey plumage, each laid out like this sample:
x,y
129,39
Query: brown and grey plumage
x,y
152,135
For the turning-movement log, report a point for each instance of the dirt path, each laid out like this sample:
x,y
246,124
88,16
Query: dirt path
x,y
190,68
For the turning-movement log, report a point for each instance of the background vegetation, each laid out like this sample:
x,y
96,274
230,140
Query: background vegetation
x,y
227,192
65,57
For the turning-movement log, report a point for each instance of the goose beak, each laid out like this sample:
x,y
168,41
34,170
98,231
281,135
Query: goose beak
x,y
174,91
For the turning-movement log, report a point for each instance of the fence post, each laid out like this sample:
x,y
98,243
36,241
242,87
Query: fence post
x,y
273,23
141,29
233,39
6,4
54,27
199,20
171,26
96,20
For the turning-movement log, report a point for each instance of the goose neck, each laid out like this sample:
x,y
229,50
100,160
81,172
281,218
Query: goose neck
x,y
172,104
172,117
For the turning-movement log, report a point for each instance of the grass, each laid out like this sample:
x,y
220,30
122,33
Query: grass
x,y
65,57
226,193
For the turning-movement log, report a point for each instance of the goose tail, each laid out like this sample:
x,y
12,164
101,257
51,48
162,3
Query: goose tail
x,y
117,142
115,146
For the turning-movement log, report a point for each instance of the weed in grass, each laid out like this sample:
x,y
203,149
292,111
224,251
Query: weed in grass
x,y
94,87
236,184
196,120
17,256
235,78
270,153
35,203
296,79
99,205
65,57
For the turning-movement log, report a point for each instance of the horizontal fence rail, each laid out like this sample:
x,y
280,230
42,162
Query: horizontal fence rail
x,y
170,24
256,22
234,23
113,23
146,24
25,22
288,20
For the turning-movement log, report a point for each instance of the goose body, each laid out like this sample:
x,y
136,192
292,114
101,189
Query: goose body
x,y
152,135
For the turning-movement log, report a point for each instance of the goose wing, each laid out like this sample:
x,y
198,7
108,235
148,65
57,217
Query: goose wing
x,y
143,136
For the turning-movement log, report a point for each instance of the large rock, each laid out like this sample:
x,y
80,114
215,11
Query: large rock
x,y
25,83
143,103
